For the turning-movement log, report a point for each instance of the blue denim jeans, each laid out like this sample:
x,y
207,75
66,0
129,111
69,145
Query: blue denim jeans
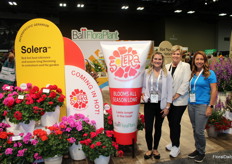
x,y
198,120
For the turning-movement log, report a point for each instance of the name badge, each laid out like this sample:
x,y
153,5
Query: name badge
x,y
192,97
154,98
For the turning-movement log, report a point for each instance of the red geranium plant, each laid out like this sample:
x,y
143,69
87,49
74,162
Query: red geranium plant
x,y
52,144
98,143
20,105
50,97
24,105
218,121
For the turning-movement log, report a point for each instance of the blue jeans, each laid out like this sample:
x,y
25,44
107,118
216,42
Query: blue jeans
x,y
198,120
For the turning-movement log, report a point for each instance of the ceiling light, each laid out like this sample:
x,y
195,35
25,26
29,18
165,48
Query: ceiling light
x,y
231,15
140,8
12,3
177,11
80,5
125,7
62,4
222,14
206,3
191,12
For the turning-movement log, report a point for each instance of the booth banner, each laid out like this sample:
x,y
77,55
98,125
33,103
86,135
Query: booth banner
x,y
125,61
83,95
73,54
39,49
165,48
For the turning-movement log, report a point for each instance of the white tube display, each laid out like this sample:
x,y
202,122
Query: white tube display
x,y
125,61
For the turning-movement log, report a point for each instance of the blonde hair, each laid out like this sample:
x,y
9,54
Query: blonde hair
x,y
150,68
176,48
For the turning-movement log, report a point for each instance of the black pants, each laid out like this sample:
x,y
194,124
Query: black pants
x,y
174,118
151,112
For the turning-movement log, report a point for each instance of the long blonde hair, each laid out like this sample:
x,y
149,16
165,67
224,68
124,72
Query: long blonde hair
x,y
150,68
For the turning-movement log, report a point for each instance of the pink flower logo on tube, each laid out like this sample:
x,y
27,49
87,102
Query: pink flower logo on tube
x,y
78,99
124,63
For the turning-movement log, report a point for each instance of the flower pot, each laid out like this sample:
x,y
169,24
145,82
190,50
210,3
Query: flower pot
x,y
222,96
51,118
102,160
53,160
76,152
228,131
14,128
212,132
27,128
228,115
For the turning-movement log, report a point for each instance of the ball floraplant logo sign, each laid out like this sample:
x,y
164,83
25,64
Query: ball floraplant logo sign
x,y
124,63
78,99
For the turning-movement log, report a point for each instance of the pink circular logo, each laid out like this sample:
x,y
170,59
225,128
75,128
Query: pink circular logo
x,y
124,63
78,99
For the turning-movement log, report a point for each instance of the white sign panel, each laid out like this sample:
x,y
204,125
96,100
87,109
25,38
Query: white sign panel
x,y
83,95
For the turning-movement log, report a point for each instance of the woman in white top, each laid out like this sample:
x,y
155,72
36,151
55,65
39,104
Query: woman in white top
x,y
157,95
180,72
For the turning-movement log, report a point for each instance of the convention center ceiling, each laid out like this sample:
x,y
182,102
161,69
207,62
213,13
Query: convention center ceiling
x,y
53,8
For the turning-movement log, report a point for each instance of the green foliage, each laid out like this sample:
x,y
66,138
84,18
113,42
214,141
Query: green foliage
x,y
53,144
97,66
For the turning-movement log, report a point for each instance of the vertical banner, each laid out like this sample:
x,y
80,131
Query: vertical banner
x,y
73,54
83,95
39,48
125,61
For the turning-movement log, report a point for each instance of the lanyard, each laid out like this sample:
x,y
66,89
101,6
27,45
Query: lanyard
x,y
194,86
157,82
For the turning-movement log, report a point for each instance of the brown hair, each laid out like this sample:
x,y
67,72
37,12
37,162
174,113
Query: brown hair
x,y
150,68
206,71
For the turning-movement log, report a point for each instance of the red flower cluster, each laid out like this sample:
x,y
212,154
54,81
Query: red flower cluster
x,y
42,134
18,115
5,135
223,125
86,142
24,105
220,123
38,110
55,130
141,117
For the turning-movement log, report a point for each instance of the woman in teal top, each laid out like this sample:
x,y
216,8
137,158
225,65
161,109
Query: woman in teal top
x,y
203,91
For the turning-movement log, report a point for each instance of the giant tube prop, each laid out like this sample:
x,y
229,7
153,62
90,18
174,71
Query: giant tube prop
x,y
125,62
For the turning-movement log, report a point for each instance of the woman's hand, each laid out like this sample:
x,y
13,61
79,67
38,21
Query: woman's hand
x,y
142,97
176,96
208,111
165,112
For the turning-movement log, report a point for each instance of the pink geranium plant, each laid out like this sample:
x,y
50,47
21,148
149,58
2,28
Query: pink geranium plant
x,y
76,127
19,150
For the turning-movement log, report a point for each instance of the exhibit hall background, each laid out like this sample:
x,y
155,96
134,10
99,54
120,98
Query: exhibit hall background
x,y
189,31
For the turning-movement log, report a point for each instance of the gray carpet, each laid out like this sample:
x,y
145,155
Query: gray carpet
x,y
223,157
